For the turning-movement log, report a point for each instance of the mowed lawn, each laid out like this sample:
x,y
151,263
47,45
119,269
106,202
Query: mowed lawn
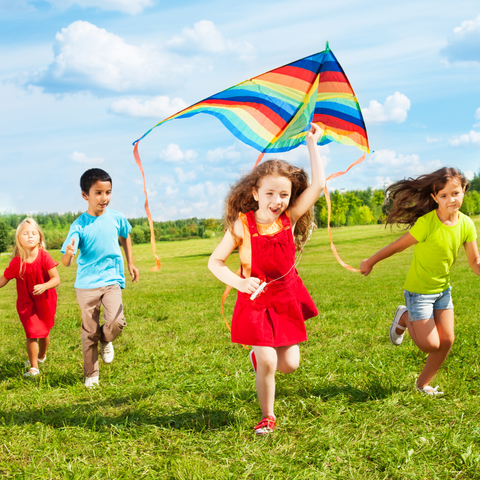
x,y
179,400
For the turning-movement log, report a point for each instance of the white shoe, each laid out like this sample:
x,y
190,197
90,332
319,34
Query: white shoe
x,y
428,390
28,364
106,352
32,372
395,338
91,382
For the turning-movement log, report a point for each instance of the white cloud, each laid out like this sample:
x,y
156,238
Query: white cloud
x,y
173,153
393,110
469,174
159,107
387,160
477,114
197,191
171,192
166,181
472,137
126,6
82,158
432,139
185,177
88,57
221,153
382,182
464,45
205,38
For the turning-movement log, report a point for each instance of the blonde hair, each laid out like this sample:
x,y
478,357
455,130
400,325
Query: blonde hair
x,y
18,250
240,198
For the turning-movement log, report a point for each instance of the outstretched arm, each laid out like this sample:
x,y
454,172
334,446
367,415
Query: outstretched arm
x,y
127,247
67,257
216,264
3,281
473,257
310,195
52,283
399,245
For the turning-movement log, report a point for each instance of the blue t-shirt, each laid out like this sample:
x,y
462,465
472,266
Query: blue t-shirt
x,y
100,262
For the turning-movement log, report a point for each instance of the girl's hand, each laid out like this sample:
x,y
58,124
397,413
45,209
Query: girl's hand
x,y
39,289
365,268
315,133
70,250
249,285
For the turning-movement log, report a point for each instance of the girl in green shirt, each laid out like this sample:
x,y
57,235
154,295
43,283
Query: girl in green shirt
x,y
430,206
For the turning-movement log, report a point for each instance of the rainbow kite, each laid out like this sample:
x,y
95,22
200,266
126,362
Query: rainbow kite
x,y
273,111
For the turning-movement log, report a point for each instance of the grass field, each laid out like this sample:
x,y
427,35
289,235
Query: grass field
x,y
179,400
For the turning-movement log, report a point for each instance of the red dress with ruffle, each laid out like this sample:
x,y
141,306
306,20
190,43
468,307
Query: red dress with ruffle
x,y
36,312
277,316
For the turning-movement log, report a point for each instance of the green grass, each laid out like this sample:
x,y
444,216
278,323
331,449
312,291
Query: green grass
x,y
179,400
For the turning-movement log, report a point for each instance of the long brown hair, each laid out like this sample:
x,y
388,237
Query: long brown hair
x,y
409,199
240,199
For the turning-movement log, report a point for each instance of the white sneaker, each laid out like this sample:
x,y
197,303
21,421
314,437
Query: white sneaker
x,y
27,363
395,338
91,382
32,372
428,390
106,352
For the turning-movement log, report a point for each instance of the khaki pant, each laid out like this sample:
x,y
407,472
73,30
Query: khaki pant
x,y
90,300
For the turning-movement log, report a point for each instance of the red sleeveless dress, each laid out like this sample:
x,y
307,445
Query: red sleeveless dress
x,y
277,316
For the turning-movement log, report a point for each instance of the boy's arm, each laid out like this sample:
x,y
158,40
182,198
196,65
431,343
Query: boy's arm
x,y
473,257
310,195
399,245
127,247
52,283
3,281
67,257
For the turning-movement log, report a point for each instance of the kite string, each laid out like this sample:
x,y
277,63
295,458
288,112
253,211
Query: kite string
x,y
147,209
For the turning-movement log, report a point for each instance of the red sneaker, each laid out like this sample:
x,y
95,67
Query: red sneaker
x,y
265,425
253,360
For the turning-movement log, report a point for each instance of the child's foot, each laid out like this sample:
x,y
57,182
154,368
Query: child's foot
x,y
395,337
28,364
32,372
253,360
428,390
91,382
265,425
106,352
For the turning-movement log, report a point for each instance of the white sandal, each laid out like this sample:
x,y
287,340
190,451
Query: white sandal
x,y
32,372
395,338
428,390
28,364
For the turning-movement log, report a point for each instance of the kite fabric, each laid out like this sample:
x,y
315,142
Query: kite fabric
x,y
273,111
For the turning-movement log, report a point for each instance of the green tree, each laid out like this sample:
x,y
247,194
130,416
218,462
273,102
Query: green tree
x,y
362,216
4,231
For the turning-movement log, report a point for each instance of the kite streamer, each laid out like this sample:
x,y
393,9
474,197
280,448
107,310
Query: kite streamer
x,y
272,112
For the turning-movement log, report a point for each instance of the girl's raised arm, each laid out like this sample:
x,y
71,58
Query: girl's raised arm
x,y
310,195
397,246
216,263
473,257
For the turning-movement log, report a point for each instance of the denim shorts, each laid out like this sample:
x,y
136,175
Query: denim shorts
x,y
421,306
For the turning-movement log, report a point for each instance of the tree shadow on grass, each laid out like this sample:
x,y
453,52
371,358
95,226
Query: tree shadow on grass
x,y
193,256
88,415
11,368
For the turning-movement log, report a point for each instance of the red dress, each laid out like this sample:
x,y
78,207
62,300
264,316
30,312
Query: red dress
x,y
277,316
36,312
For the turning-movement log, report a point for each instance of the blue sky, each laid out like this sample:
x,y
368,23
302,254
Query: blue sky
x,y
80,80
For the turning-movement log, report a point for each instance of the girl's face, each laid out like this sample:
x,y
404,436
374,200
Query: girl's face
x,y
273,196
450,198
29,237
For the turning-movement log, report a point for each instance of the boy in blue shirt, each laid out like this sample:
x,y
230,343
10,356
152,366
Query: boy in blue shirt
x,y
100,271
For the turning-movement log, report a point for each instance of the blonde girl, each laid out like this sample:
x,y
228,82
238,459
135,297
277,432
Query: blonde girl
x,y
430,206
36,275
267,216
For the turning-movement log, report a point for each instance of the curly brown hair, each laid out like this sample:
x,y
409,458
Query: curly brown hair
x,y
240,199
409,199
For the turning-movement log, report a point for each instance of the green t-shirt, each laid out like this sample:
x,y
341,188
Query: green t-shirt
x,y
436,251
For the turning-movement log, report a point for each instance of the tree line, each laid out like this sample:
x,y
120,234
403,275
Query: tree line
x,y
353,207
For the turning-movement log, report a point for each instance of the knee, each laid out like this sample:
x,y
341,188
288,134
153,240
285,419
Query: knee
x,y
288,366
266,364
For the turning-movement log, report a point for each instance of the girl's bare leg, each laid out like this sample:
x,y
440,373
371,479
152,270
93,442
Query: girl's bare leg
x,y
265,378
32,350
288,358
434,336
43,344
